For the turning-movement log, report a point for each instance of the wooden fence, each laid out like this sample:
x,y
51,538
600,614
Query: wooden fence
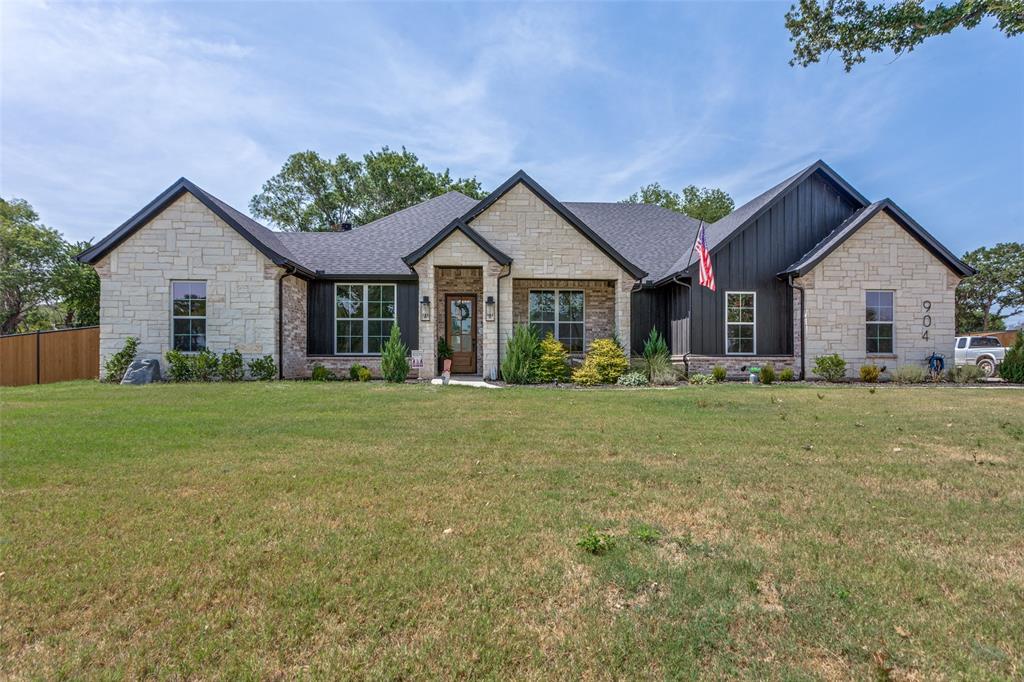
x,y
50,356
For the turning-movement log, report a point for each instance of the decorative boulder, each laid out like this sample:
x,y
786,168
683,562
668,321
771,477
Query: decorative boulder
x,y
142,372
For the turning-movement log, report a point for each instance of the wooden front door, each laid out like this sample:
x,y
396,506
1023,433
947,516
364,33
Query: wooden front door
x,y
460,332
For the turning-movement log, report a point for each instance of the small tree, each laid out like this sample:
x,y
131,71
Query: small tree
x,y
655,345
394,365
1012,366
553,364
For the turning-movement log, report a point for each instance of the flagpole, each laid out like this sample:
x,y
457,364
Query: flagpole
x,y
694,245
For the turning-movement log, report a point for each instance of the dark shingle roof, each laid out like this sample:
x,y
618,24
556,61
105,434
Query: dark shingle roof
x,y
849,226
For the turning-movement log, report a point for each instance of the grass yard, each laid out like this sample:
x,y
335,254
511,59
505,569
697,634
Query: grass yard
x,y
329,530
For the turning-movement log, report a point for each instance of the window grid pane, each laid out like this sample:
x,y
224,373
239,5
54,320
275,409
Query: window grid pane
x,y
365,314
739,323
188,316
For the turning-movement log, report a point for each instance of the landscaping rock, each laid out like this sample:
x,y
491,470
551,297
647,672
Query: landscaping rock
x,y
142,372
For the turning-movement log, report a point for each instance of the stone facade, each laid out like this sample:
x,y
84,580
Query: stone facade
x,y
881,255
459,281
598,303
187,242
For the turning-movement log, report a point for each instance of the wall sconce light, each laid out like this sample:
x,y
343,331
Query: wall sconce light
x,y
425,309
489,309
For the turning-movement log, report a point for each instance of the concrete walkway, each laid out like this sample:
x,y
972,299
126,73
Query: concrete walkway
x,y
476,382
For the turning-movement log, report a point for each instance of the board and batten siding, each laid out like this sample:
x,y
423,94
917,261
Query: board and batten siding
x,y
664,309
752,259
320,314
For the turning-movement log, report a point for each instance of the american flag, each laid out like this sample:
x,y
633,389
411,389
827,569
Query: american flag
x,y
707,275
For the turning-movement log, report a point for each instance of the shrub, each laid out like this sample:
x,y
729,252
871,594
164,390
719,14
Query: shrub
x,y
909,374
606,360
633,379
359,372
263,369
117,364
586,375
553,363
232,367
521,355
701,379
870,373
787,374
965,374
180,367
655,345
660,370
767,374
830,367
204,365
1012,367
646,534
321,373
596,543
394,365
718,373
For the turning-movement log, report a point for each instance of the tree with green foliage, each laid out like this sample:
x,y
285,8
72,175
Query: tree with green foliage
x,y
853,27
700,203
314,194
985,300
394,363
77,288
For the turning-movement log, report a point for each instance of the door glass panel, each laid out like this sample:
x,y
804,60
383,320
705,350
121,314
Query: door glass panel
x,y
460,325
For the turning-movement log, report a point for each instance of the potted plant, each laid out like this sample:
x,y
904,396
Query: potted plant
x,y
444,355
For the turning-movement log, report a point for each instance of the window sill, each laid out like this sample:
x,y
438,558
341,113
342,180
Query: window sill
x,y
882,356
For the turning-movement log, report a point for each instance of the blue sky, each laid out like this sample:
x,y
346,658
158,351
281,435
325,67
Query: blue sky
x,y
103,106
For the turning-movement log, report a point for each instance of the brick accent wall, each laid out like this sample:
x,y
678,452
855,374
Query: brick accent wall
x,y
598,303
187,242
736,365
293,299
881,255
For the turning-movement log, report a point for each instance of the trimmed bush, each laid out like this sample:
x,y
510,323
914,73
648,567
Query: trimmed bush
x,y
117,364
830,367
1012,367
521,355
655,345
787,374
205,365
701,380
321,373
965,374
605,360
394,365
632,379
553,363
232,367
263,369
179,366
718,373
767,374
869,373
359,372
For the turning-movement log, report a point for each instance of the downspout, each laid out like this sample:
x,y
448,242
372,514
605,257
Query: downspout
x,y
497,318
689,322
803,328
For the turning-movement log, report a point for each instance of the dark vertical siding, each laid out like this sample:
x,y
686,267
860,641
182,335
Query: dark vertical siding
x,y
320,315
664,309
751,260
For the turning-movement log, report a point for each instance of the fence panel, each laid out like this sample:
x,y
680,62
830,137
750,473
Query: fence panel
x,y
47,357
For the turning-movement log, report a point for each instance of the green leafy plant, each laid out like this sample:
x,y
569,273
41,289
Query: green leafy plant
x,y
263,369
180,367
444,351
647,534
321,373
633,379
909,374
232,367
660,371
869,373
521,356
830,367
553,363
359,372
965,374
787,374
394,363
596,543
767,374
700,379
719,373
118,363
1012,367
205,364
655,345
605,360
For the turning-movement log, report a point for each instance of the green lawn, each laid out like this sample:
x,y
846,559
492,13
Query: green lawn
x,y
347,530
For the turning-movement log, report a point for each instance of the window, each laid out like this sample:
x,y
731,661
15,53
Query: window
x,y
961,343
739,322
985,342
560,313
364,314
188,316
879,322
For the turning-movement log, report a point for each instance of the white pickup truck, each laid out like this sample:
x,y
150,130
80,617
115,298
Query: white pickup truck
x,y
984,351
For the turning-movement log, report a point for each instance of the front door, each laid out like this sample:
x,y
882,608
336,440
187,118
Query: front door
x,y
460,332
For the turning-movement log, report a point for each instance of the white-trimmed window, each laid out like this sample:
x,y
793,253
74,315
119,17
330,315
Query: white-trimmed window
x,y
188,316
364,314
740,323
560,312
878,309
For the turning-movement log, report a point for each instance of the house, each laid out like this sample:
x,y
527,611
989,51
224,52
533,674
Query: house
x,y
809,267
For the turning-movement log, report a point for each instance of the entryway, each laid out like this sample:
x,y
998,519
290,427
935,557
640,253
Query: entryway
x,y
460,331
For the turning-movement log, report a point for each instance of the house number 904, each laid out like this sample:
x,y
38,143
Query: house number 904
x,y
926,321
